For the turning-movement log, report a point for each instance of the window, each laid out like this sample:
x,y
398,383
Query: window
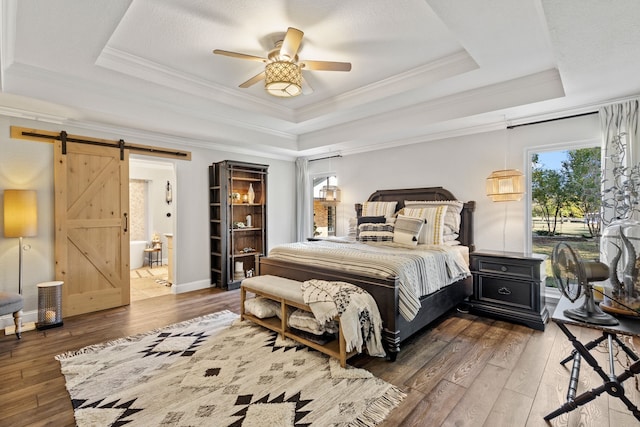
x,y
324,211
565,202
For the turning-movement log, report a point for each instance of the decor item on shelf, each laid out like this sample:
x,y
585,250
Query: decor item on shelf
x,y
248,219
20,220
168,195
505,185
251,195
283,72
235,197
620,247
239,271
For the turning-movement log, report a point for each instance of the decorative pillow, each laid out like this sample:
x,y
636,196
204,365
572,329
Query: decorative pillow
x,y
451,219
262,307
450,236
386,209
433,231
353,227
375,232
451,243
372,220
407,229
304,320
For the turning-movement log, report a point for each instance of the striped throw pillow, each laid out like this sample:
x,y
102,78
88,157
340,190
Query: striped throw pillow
x,y
433,231
407,230
386,209
369,232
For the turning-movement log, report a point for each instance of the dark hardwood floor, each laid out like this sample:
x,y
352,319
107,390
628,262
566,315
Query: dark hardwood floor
x,y
464,371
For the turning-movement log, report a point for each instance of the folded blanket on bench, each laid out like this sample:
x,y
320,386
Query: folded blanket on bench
x,y
359,316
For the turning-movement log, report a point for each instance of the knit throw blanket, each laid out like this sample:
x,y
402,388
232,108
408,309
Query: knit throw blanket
x,y
359,316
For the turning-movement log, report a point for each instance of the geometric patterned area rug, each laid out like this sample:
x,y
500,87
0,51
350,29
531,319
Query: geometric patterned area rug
x,y
218,371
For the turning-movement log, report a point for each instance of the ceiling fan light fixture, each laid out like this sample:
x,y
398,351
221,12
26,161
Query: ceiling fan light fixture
x,y
283,79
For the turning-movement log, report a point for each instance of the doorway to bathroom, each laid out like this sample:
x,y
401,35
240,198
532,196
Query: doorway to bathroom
x,y
151,229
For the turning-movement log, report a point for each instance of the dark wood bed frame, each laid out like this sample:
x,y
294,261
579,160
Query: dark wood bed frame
x,y
385,290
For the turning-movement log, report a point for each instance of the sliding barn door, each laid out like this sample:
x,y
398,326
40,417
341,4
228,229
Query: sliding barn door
x,y
91,227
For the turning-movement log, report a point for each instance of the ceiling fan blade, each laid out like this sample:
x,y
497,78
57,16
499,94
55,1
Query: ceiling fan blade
x,y
326,65
306,87
253,80
291,43
239,55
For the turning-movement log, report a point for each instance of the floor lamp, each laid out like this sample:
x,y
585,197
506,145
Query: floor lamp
x,y
20,220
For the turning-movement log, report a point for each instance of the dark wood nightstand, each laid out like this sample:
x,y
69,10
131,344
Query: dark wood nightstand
x,y
509,285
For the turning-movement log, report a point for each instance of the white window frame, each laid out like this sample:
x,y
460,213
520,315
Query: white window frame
x,y
551,294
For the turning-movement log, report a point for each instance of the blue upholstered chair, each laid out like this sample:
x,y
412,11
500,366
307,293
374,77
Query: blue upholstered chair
x,y
11,303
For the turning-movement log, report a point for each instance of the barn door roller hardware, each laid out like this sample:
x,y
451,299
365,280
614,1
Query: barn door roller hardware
x,y
63,137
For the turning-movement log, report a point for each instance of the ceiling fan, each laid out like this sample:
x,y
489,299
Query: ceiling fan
x,y
283,70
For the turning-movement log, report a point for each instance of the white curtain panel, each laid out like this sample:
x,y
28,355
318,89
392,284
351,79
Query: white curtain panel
x,y
620,147
304,203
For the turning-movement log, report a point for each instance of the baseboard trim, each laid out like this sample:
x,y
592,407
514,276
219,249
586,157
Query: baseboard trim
x,y
192,286
28,326
27,317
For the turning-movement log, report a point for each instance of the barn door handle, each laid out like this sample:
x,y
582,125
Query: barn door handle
x,y
504,291
126,222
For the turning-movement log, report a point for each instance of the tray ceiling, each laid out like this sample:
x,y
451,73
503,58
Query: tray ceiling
x,y
421,69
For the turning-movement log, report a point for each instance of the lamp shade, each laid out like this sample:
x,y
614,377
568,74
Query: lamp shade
x,y
330,193
20,213
283,79
505,185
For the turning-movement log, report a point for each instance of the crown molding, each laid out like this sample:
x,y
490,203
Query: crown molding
x,y
144,136
442,68
31,115
141,68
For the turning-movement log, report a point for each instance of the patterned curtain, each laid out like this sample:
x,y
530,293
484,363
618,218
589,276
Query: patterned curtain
x,y
620,161
304,203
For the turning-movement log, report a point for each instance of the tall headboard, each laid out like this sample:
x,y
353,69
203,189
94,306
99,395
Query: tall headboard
x,y
428,193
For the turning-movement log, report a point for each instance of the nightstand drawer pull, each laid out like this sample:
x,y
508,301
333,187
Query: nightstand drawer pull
x,y
503,268
504,291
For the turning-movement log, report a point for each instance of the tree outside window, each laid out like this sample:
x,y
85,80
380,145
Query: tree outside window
x,y
566,202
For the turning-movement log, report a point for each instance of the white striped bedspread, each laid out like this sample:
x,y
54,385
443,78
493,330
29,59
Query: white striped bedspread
x,y
421,270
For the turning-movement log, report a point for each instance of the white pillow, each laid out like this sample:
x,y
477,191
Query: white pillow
x,y
305,321
433,231
407,229
262,307
386,209
353,227
452,218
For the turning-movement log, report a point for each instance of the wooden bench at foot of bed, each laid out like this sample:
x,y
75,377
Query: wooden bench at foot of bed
x,y
288,293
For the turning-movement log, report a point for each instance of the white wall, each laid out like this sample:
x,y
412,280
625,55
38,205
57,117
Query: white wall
x,y
29,165
461,165
458,164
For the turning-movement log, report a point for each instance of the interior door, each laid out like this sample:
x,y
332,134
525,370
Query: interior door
x,y
91,226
